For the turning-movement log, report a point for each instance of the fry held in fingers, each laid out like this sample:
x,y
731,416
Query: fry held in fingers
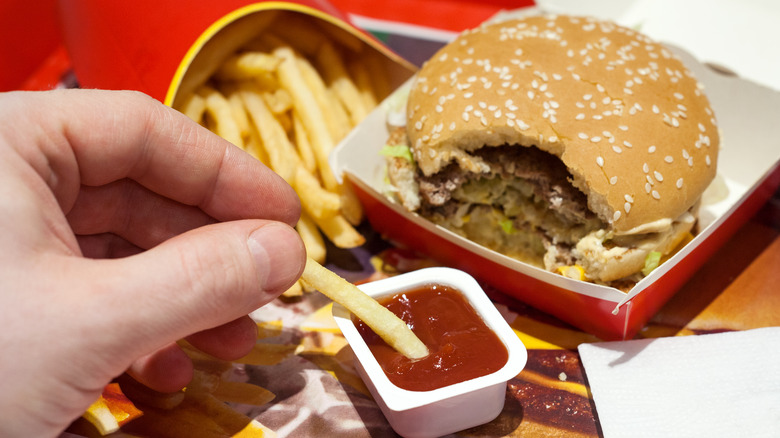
x,y
385,323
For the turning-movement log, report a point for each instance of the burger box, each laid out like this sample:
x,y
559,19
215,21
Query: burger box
x,y
167,48
748,174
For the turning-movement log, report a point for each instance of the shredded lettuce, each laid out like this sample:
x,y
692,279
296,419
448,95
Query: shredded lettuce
x,y
397,150
652,261
507,226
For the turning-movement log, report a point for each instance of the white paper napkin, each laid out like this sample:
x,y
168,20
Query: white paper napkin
x,y
717,385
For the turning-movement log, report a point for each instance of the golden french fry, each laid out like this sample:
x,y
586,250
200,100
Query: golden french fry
x,y
306,106
221,113
278,101
312,239
247,65
315,200
302,144
254,145
239,114
340,231
385,323
281,154
193,106
333,112
335,73
350,205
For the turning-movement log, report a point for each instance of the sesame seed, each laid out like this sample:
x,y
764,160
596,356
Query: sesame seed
x,y
679,96
583,135
679,183
587,97
623,128
628,198
651,149
530,94
648,187
655,109
418,125
616,216
617,149
701,127
707,160
646,168
627,207
658,176
600,161
595,139
439,108
690,161
669,159
656,195
580,116
627,144
613,180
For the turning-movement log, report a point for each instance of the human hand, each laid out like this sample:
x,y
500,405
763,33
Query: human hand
x,y
126,227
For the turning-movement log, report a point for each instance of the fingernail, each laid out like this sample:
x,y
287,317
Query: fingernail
x,y
276,250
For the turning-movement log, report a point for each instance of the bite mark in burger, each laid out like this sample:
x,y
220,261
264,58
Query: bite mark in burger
x,y
573,144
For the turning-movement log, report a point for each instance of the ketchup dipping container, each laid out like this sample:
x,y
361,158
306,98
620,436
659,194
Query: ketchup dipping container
x,y
447,409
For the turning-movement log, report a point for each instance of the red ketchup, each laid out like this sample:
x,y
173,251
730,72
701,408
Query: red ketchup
x,y
461,345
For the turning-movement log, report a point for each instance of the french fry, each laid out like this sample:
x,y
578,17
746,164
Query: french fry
x,y
334,113
247,65
218,108
303,146
385,323
335,73
315,200
350,205
281,154
194,106
359,72
306,106
312,239
340,231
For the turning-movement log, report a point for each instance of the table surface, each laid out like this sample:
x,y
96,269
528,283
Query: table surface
x,y
300,380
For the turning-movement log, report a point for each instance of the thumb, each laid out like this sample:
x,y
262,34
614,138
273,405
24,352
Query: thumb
x,y
196,281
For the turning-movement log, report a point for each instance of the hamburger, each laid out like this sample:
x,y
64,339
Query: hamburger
x,y
573,144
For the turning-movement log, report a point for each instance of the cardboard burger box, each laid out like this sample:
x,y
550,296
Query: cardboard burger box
x,y
166,48
748,174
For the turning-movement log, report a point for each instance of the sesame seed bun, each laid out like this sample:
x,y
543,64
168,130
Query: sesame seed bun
x,y
624,115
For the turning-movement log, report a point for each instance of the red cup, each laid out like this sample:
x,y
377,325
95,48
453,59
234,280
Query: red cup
x,y
153,46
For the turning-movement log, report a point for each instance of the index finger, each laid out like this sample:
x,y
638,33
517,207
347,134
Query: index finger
x,y
104,136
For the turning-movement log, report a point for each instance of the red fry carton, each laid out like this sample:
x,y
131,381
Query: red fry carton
x,y
166,48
